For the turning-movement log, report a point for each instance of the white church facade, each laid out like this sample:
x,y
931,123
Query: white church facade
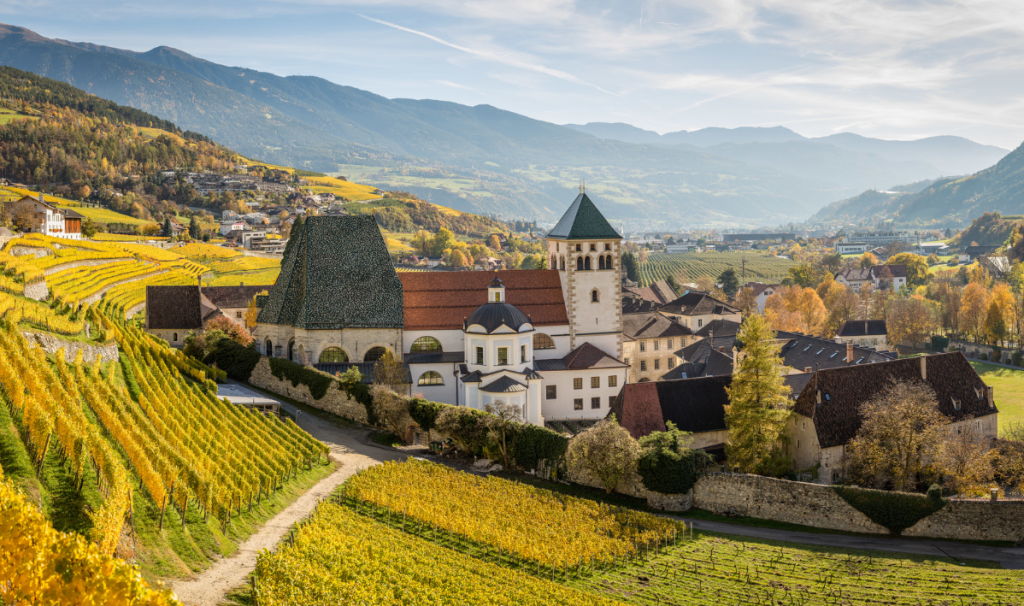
x,y
548,341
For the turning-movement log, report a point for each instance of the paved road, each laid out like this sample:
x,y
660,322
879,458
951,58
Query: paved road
x,y
351,450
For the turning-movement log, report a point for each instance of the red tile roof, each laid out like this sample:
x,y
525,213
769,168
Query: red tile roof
x,y
643,414
441,300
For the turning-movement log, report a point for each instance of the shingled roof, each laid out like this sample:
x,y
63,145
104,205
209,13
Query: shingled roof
x,y
659,292
862,328
651,326
694,405
174,307
582,221
234,296
702,359
442,300
336,274
698,303
844,390
804,351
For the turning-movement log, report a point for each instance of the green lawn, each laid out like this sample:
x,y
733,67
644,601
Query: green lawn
x,y
1008,386
105,215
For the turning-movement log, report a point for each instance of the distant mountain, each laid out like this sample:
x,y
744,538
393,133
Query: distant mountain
x,y
846,159
948,202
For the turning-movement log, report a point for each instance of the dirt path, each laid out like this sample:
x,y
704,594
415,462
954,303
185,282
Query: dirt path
x,y
348,449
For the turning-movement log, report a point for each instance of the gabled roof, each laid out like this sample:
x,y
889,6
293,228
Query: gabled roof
x,y
658,292
844,390
582,221
854,274
336,274
803,352
633,303
442,300
759,287
587,356
234,296
651,325
70,214
697,303
862,328
174,307
719,328
701,359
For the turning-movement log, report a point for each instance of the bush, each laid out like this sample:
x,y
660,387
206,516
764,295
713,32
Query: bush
x,y
466,426
1016,357
982,356
317,382
935,493
425,413
667,465
939,343
896,511
235,359
351,382
534,444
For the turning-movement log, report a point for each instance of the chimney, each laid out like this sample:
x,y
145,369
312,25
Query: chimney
x,y
807,369
722,349
865,328
989,396
41,201
924,368
849,352
199,280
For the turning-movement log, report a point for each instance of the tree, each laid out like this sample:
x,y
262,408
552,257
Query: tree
x,y
841,304
746,301
885,278
973,309
167,230
995,325
421,242
606,452
801,275
252,311
194,230
730,283
900,431
389,371
832,262
796,309
756,414
632,268
965,458
456,259
643,256
230,329
674,285
494,242
390,408
909,320
466,426
867,260
502,426
443,240
917,267
706,284
89,228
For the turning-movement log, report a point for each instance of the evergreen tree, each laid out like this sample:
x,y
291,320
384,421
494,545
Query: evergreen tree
x,y
194,231
632,269
167,230
756,414
730,283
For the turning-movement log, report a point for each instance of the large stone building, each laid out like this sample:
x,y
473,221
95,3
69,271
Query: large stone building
x,y
549,341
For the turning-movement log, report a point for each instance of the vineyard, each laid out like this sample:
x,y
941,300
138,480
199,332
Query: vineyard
x,y
687,267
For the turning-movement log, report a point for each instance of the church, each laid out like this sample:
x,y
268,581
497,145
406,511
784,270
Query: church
x,y
548,341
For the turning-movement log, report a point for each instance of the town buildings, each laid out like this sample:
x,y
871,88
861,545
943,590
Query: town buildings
x,y
879,276
36,215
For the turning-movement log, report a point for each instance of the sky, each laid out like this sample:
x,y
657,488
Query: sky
x,y
900,69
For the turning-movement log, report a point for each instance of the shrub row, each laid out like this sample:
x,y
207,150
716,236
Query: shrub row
x,y
896,511
233,358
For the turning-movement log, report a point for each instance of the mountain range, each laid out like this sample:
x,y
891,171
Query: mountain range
x,y
486,160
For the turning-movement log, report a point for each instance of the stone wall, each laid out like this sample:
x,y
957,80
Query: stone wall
x,y
90,353
335,401
973,350
974,521
37,290
73,264
29,251
781,501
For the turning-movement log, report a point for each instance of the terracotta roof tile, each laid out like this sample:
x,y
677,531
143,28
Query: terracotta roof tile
x,y
441,300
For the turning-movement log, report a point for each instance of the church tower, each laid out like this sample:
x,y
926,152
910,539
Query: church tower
x,y
587,252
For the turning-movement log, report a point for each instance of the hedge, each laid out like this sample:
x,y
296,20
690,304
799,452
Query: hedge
x,y
896,511
939,343
317,382
425,412
666,465
233,358
534,444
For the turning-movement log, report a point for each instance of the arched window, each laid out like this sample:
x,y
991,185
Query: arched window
x,y
291,350
542,341
554,262
594,297
644,380
563,263
586,263
270,348
579,263
374,354
430,378
333,355
425,344
608,262
600,262
175,337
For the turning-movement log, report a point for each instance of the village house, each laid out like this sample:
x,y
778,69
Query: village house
x,y
804,353
997,266
174,311
864,333
703,359
649,341
971,253
659,293
695,309
35,215
879,276
761,293
547,340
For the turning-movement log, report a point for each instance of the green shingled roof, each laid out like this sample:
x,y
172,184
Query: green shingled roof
x,y
336,274
583,222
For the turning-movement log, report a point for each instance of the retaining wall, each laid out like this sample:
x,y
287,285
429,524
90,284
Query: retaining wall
x,y
335,401
90,353
37,290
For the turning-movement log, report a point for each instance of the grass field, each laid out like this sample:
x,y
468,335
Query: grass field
x,y
251,278
686,267
9,115
1008,389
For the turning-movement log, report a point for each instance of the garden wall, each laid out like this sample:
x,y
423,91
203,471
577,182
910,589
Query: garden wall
x,y
335,401
973,350
821,507
90,353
